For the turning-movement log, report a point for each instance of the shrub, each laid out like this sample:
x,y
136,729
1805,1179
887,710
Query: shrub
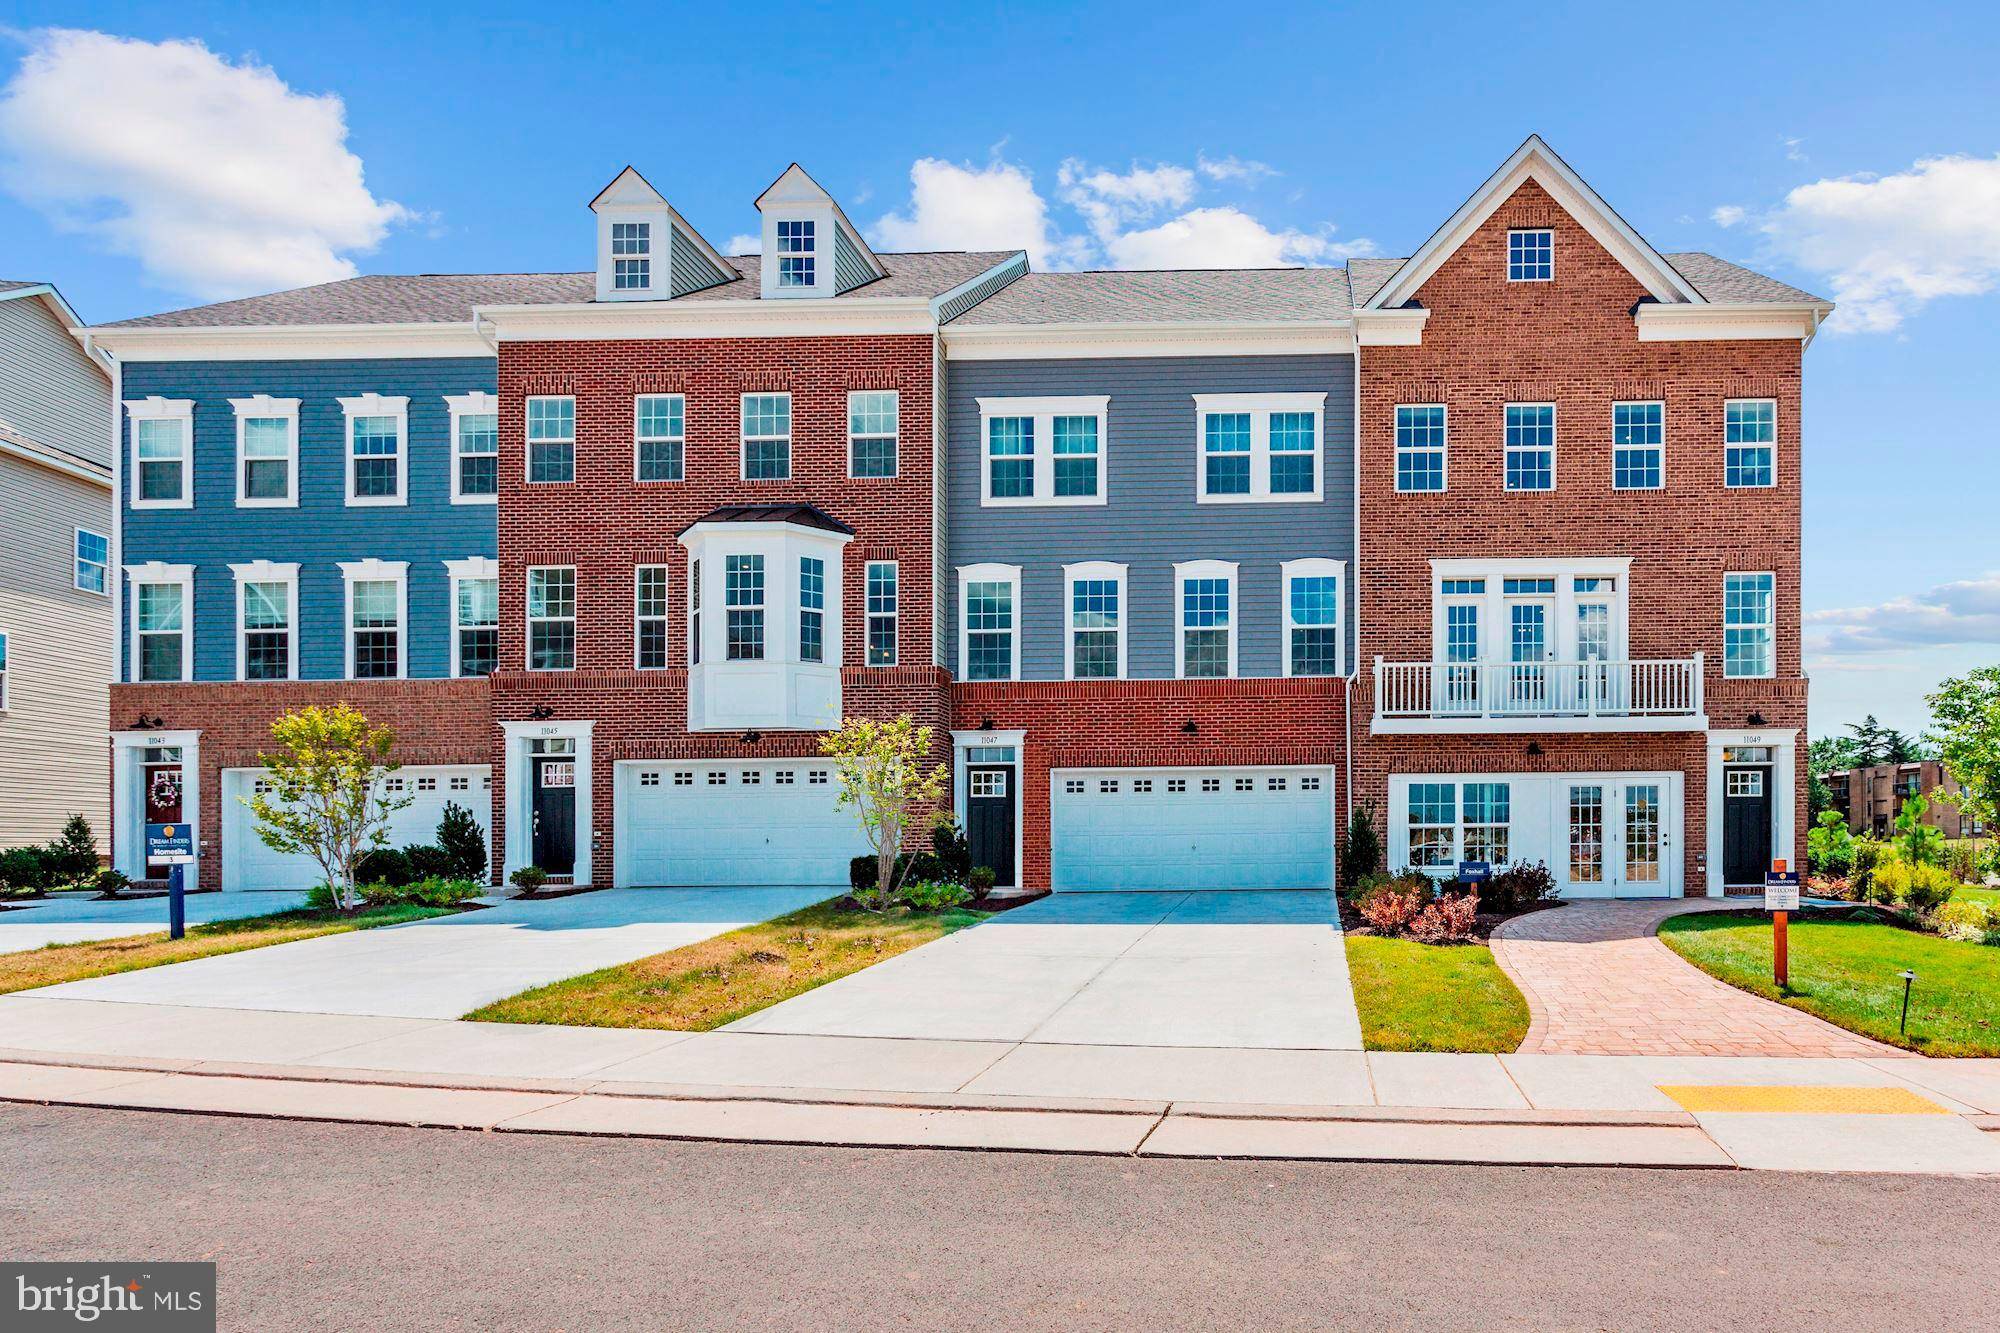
x,y
529,879
1918,843
72,858
426,891
934,895
23,870
464,844
1919,889
111,883
1360,849
952,851
982,878
1829,846
1965,921
861,872
1829,886
1389,907
1867,855
1962,860
429,862
383,865
1518,887
1449,919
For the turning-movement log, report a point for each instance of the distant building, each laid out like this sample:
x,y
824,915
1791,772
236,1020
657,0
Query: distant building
x,y
1870,797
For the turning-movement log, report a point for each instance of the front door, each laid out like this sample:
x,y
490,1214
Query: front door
x,y
164,799
555,813
991,807
1746,823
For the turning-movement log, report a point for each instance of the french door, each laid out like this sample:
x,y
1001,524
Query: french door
x,y
1617,835
1529,652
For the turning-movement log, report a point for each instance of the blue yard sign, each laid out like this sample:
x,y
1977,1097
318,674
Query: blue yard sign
x,y
170,844
1474,872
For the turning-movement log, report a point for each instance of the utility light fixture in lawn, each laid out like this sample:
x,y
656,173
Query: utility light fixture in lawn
x,y
325,797
883,777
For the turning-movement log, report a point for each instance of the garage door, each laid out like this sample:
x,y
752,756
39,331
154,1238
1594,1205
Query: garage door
x,y
248,864
1191,828
733,824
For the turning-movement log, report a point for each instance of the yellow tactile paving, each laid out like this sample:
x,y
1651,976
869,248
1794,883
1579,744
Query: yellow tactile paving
x,y
1807,1099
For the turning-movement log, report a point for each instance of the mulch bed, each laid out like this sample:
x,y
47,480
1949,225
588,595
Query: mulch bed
x,y
1483,925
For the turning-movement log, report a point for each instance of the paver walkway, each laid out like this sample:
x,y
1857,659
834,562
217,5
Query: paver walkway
x,y
1598,982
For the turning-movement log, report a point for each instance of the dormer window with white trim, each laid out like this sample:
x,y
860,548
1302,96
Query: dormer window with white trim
x,y
631,256
810,248
798,252
1531,255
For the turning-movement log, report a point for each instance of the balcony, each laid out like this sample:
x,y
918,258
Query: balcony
x,y
1659,694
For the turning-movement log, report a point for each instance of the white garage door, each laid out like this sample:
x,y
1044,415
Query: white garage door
x,y
688,824
248,864
1191,828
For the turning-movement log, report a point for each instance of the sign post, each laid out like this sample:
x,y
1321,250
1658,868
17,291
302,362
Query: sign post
x,y
1781,899
173,844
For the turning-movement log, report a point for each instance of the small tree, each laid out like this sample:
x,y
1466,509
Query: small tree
x,y
463,842
325,800
1918,843
1361,847
883,776
73,856
1965,722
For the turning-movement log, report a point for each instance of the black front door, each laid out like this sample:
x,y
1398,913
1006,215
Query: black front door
x,y
1746,824
555,813
990,806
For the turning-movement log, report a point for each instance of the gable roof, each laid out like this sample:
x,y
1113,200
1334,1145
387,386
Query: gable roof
x,y
796,176
1721,282
1535,160
1168,296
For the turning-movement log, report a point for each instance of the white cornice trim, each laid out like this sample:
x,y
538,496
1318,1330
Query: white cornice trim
x,y
1390,328
1735,321
1500,566
1024,342
307,342
587,321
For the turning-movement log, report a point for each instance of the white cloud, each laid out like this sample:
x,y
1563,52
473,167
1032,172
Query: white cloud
x,y
1965,612
1728,215
957,206
1888,245
744,243
1107,200
1794,149
216,176
1223,238
1232,168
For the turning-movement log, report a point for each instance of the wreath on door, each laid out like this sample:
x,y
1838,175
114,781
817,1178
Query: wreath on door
x,y
166,789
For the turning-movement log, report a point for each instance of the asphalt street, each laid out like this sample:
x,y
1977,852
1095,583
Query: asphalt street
x,y
319,1226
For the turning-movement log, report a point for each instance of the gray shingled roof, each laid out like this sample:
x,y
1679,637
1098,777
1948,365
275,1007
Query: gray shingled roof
x,y
1716,279
1370,276
448,298
1179,296
10,286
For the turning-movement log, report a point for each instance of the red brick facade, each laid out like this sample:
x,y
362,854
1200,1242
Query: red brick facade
x,y
1573,342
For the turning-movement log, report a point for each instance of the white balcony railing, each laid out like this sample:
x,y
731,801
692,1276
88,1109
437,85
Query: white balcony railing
x,y
1667,689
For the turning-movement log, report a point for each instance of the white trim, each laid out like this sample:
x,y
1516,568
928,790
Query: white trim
x,y
76,561
1532,567
1508,259
1259,406
528,441
156,408
1740,321
1784,744
989,573
517,795
1493,628
377,405
1770,626
1025,342
1661,447
963,741
264,407
1093,571
471,569
743,436
1770,485
593,321
1203,569
292,342
1043,411
128,802
473,404
528,617
1312,567
1396,449
1532,726
1555,437
375,571
267,571
665,617
639,440
895,438
77,468
1390,328
154,571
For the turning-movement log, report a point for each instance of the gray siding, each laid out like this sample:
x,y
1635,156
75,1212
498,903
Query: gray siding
x,y
691,270
1151,520
850,270
49,391
972,296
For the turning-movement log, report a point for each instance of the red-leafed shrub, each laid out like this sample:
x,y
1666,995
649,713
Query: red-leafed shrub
x,y
1449,919
1388,908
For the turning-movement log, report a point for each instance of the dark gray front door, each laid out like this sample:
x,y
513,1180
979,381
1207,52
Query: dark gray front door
x,y
1746,823
555,813
991,807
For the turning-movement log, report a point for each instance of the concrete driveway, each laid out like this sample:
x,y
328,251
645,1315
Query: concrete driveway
x,y
74,920
1202,969
448,967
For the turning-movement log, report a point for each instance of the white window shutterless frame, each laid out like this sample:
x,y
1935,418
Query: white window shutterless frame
x,y
378,449
1094,628
162,613
475,447
162,441
1205,618
1284,446
267,620
267,452
989,622
1044,451
1314,593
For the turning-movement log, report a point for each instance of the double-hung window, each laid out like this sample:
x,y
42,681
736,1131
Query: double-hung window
x,y
1531,446
659,425
1042,451
378,457
475,447
882,594
871,432
1531,255
162,598
767,436
1750,442
798,252
812,609
552,438
988,630
1748,614
377,612
1449,822
631,256
1205,645
1095,646
1638,446
694,613
552,618
649,617
266,621
1313,644
1259,447
267,452
743,607
475,616
93,562
1421,463
162,441
3,671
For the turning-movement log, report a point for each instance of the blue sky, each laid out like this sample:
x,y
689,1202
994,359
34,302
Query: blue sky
x,y
1193,133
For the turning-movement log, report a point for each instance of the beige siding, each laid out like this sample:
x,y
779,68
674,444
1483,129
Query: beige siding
x,y
49,391
53,749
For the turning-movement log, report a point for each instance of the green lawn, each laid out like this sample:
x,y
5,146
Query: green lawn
x,y
1985,897
101,958
1432,997
1845,971
702,986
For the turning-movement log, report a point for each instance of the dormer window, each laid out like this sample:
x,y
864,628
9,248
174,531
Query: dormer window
x,y
797,252
631,256
1531,255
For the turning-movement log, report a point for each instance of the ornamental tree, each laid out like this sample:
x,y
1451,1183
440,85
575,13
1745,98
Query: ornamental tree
x,y
884,778
1965,724
326,799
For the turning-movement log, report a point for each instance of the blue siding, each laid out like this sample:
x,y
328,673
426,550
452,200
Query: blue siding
x,y
322,531
1151,520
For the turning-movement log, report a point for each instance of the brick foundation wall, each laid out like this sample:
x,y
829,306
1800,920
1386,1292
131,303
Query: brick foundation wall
x,y
1139,723
435,722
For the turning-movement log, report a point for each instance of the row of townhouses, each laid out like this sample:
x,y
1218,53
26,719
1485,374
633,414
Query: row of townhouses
x,y
1499,541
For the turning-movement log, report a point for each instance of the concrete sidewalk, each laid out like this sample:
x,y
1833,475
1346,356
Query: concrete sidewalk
x,y
76,918
1190,1101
